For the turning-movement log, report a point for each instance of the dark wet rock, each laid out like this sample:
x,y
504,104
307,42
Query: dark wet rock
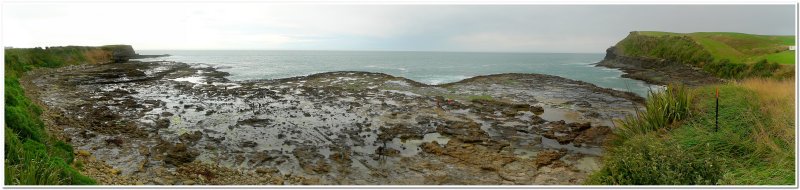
x,y
468,132
255,122
249,144
180,154
579,103
547,157
403,132
341,157
432,148
465,154
594,135
311,161
565,133
536,109
508,109
119,91
260,157
117,141
267,170
391,152
191,138
592,114
162,123
103,113
152,102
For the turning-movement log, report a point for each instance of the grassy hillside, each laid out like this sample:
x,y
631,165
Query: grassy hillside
x,y
727,55
32,156
674,142
739,47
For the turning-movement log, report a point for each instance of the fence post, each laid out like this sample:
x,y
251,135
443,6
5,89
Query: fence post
x,y
716,113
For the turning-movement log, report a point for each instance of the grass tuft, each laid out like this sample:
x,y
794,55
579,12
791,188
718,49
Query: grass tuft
x,y
662,110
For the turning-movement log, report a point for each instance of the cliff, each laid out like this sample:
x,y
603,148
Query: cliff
x,y
656,70
120,53
700,58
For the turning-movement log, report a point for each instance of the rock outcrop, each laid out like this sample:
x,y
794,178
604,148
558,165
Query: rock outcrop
x,y
655,70
120,53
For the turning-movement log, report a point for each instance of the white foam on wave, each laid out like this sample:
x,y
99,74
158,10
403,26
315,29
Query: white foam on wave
x,y
444,79
196,80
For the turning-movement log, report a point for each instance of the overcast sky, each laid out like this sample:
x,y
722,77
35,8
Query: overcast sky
x,y
516,28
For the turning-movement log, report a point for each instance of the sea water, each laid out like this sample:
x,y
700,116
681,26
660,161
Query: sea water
x,y
424,67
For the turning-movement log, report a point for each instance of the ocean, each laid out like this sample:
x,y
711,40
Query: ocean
x,y
424,67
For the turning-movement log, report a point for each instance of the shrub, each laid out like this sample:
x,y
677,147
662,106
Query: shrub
x,y
662,110
643,160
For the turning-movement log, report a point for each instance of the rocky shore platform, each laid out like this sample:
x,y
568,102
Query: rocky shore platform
x,y
168,123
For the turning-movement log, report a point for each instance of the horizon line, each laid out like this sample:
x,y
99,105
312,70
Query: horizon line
x,y
438,51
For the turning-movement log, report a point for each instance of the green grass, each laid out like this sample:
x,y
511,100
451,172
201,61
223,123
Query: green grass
x,y
736,47
658,33
784,57
724,54
32,156
663,109
750,146
719,50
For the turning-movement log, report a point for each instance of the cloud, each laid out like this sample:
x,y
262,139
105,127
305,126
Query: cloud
x,y
544,28
497,41
516,42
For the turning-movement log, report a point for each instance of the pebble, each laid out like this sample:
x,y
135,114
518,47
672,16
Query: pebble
x,y
84,153
114,171
159,181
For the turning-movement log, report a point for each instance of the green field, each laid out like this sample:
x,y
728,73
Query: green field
x,y
723,54
740,47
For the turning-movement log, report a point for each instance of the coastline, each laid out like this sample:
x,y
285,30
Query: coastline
x,y
656,71
432,125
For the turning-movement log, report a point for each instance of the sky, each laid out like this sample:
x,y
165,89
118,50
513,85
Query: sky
x,y
380,27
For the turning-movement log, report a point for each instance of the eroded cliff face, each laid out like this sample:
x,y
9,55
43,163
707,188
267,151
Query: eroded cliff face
x,y
656,70
120,53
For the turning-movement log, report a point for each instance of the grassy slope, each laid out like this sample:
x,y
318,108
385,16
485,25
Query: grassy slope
x,y
754,144
784,57
32,156
739,47
725,55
